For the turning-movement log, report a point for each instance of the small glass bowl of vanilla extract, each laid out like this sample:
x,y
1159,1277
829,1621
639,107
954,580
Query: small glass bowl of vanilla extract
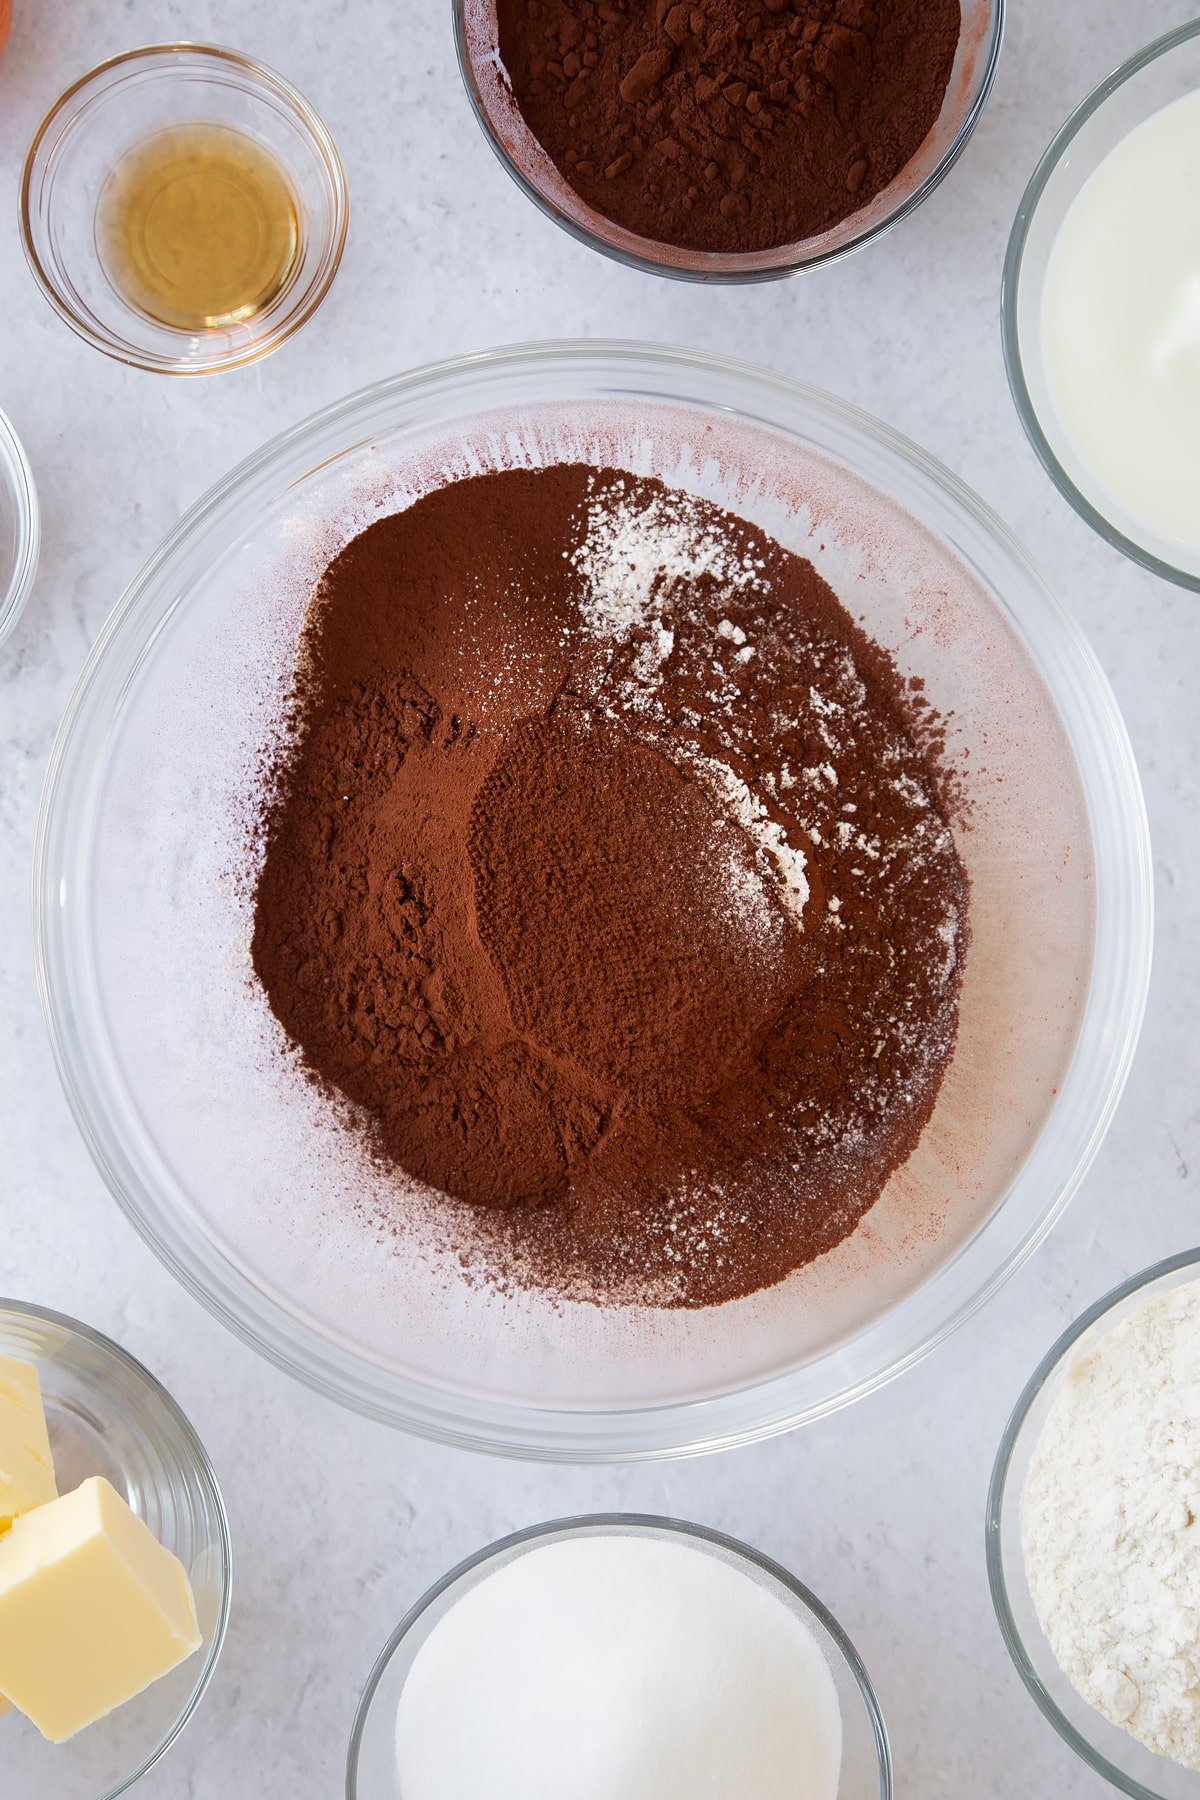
x,y
183,208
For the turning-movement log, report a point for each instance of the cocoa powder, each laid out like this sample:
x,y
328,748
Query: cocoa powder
x,y
606,874
718,125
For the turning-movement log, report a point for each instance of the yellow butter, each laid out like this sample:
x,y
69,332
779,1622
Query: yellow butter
x,y
26,1466
5,1706
92,1610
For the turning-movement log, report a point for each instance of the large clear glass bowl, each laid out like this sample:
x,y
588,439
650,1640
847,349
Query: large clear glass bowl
x,y
108,1416
1121,1759
866,1772
230,1165
490,94
1164,71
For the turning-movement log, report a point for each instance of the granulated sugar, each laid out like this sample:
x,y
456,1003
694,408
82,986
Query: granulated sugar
x,y
619,1668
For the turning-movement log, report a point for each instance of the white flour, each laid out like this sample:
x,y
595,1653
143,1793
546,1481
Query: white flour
x,y
770,840
638,562
1110,1521
634,558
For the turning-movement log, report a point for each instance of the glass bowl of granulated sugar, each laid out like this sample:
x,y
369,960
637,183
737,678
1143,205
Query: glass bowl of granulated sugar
x,y
370,1274
1093,1540
619,1654
690,145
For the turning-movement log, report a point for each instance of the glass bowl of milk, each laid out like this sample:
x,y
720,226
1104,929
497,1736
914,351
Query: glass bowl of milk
x,y
1101,308
619,1655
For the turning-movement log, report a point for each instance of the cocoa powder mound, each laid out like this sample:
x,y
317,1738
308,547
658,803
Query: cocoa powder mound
x,y
607,875
718,125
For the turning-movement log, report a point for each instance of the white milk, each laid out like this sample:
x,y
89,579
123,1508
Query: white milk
x,y
1121,327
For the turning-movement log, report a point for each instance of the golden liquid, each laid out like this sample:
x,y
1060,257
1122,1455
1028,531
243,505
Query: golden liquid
x,y
197,227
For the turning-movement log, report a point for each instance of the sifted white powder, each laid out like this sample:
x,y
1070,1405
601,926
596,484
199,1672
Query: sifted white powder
x,y
1110,1521
619,1668
638,562
634,556
782,860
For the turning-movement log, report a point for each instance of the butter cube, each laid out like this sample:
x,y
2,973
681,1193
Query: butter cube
x,y
92,1610
26,1468
5,1706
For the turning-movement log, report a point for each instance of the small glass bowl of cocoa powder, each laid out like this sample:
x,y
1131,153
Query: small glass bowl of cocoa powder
x,y
708,144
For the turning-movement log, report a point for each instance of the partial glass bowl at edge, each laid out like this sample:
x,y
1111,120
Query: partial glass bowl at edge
x,y
20,528
866,1772
108,1416
1113,1753
1163,71
488,90
579,374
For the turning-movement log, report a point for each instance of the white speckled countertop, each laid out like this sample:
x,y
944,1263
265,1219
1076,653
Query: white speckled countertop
x,y
340,1524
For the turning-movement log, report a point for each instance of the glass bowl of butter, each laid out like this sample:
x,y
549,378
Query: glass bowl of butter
x,y
115,1564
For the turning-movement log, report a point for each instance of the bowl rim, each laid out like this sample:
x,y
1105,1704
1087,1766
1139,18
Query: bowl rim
x,y
208,1477
725,268
625,1433
1010,287
633,1524
315,129
998,1496
29,527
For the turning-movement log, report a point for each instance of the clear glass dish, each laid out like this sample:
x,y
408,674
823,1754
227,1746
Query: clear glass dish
x,y
108,1416
475,32
1162,72
235,1174
20,528
118,105
866,1755
1124,1762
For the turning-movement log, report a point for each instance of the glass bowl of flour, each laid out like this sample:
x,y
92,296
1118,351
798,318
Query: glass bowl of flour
x,y
619,1653
1093,1534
